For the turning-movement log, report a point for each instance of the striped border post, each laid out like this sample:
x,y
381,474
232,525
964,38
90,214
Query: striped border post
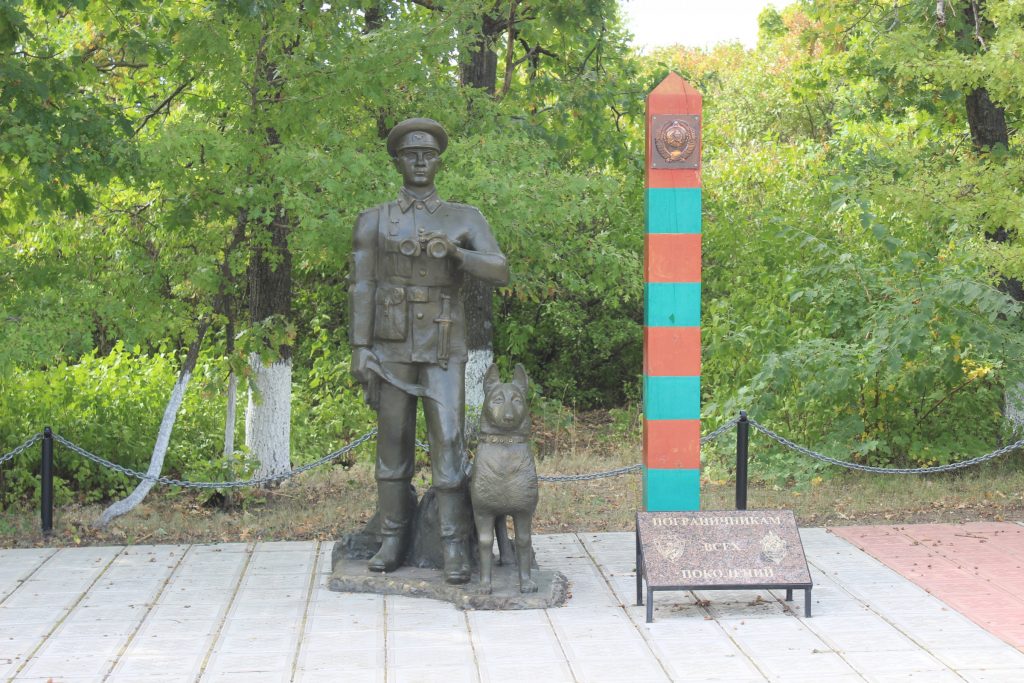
x,y
672,262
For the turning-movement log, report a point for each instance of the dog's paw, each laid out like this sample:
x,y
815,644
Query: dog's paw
x,y
484,589
527,586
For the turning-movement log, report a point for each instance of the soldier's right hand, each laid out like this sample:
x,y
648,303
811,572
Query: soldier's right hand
x,y
362,357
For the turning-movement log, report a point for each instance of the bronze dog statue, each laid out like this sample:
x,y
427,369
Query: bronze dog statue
x,y
504,478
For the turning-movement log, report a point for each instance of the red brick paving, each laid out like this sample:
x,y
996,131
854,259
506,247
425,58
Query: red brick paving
x,y
976,568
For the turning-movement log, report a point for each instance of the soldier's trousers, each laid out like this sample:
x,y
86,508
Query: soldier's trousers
x,y
396,424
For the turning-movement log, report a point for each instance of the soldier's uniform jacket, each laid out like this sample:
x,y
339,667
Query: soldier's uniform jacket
x,y
405,303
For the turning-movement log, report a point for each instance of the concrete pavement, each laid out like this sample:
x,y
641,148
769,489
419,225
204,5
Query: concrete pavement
x,y
261,612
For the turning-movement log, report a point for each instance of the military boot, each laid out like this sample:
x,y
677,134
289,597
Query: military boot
x,y
453,510
394,515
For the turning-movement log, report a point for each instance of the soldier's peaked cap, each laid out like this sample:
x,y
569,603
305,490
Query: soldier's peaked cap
x,y
404,135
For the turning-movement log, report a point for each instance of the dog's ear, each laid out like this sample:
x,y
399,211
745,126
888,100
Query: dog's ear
x,y
520,379
492,378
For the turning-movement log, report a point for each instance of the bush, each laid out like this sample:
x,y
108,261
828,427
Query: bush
x,y
112,405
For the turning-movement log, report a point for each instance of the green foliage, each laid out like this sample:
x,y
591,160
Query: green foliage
x,y
328,408
238,112
57,132
112,405
572,313
770,25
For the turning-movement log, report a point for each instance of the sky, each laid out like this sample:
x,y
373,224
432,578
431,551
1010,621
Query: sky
x,y
695,23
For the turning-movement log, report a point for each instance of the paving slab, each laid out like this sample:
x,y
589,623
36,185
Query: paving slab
x,y
262,612
975,568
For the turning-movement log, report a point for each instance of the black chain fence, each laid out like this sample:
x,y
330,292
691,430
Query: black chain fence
x,y
22,448
239,483
333,455
884,470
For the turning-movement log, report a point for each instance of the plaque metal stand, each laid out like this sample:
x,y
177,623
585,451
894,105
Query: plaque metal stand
x,y
720,550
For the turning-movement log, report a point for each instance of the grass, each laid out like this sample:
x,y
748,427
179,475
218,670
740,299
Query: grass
x,y
325,503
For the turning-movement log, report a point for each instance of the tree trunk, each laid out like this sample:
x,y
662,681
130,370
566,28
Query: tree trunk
x,y
373,19
227,306
986,119
477,298
987,122
163,437
268,416
479,70
229,419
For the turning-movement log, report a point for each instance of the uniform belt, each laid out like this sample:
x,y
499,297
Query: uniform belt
x,y
417,295
421,294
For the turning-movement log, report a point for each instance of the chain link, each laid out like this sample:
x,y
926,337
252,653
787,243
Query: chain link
x,y
594,475
256,481
718,432
884,470
21,449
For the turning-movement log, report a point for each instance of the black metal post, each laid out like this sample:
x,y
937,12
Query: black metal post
x,y
639,567
46,483
742,440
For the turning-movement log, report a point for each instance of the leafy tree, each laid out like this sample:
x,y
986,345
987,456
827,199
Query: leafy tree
x,y
58,132
255,131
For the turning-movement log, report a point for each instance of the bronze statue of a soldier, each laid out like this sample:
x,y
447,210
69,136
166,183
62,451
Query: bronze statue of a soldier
x,y
408,337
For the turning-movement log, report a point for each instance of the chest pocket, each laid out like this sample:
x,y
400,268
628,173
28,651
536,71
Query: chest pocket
x,y
391,318
399,242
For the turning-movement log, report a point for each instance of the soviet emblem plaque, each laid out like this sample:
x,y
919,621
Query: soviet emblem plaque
x,y
720,550
675,141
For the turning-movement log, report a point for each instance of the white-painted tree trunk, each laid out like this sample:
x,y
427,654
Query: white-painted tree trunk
x,y
163,436
229,417
1013,408
476,366
156,461
268,416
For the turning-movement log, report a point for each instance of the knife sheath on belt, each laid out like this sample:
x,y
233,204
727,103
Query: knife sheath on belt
x,y
444,331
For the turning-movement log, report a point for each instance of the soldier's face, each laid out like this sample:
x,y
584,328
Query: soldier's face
x,y
418,165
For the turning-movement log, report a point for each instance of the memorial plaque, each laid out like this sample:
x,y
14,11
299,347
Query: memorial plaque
x,y
720,550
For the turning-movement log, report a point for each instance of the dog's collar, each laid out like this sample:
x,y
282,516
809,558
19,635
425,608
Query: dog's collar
x,y
503,438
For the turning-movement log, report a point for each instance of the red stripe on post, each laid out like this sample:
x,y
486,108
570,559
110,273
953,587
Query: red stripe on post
x,y
672,257
672,444
668,177
672,351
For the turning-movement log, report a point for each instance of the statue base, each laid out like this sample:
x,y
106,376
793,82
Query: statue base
x,y
352,576
421,575
425,549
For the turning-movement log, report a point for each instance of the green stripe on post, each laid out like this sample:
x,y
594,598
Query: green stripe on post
x,y
672,304
671,490
674,210
672,398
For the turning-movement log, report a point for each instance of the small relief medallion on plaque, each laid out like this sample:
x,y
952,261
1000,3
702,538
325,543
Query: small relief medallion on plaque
x,y
773,548
676,141
672,549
